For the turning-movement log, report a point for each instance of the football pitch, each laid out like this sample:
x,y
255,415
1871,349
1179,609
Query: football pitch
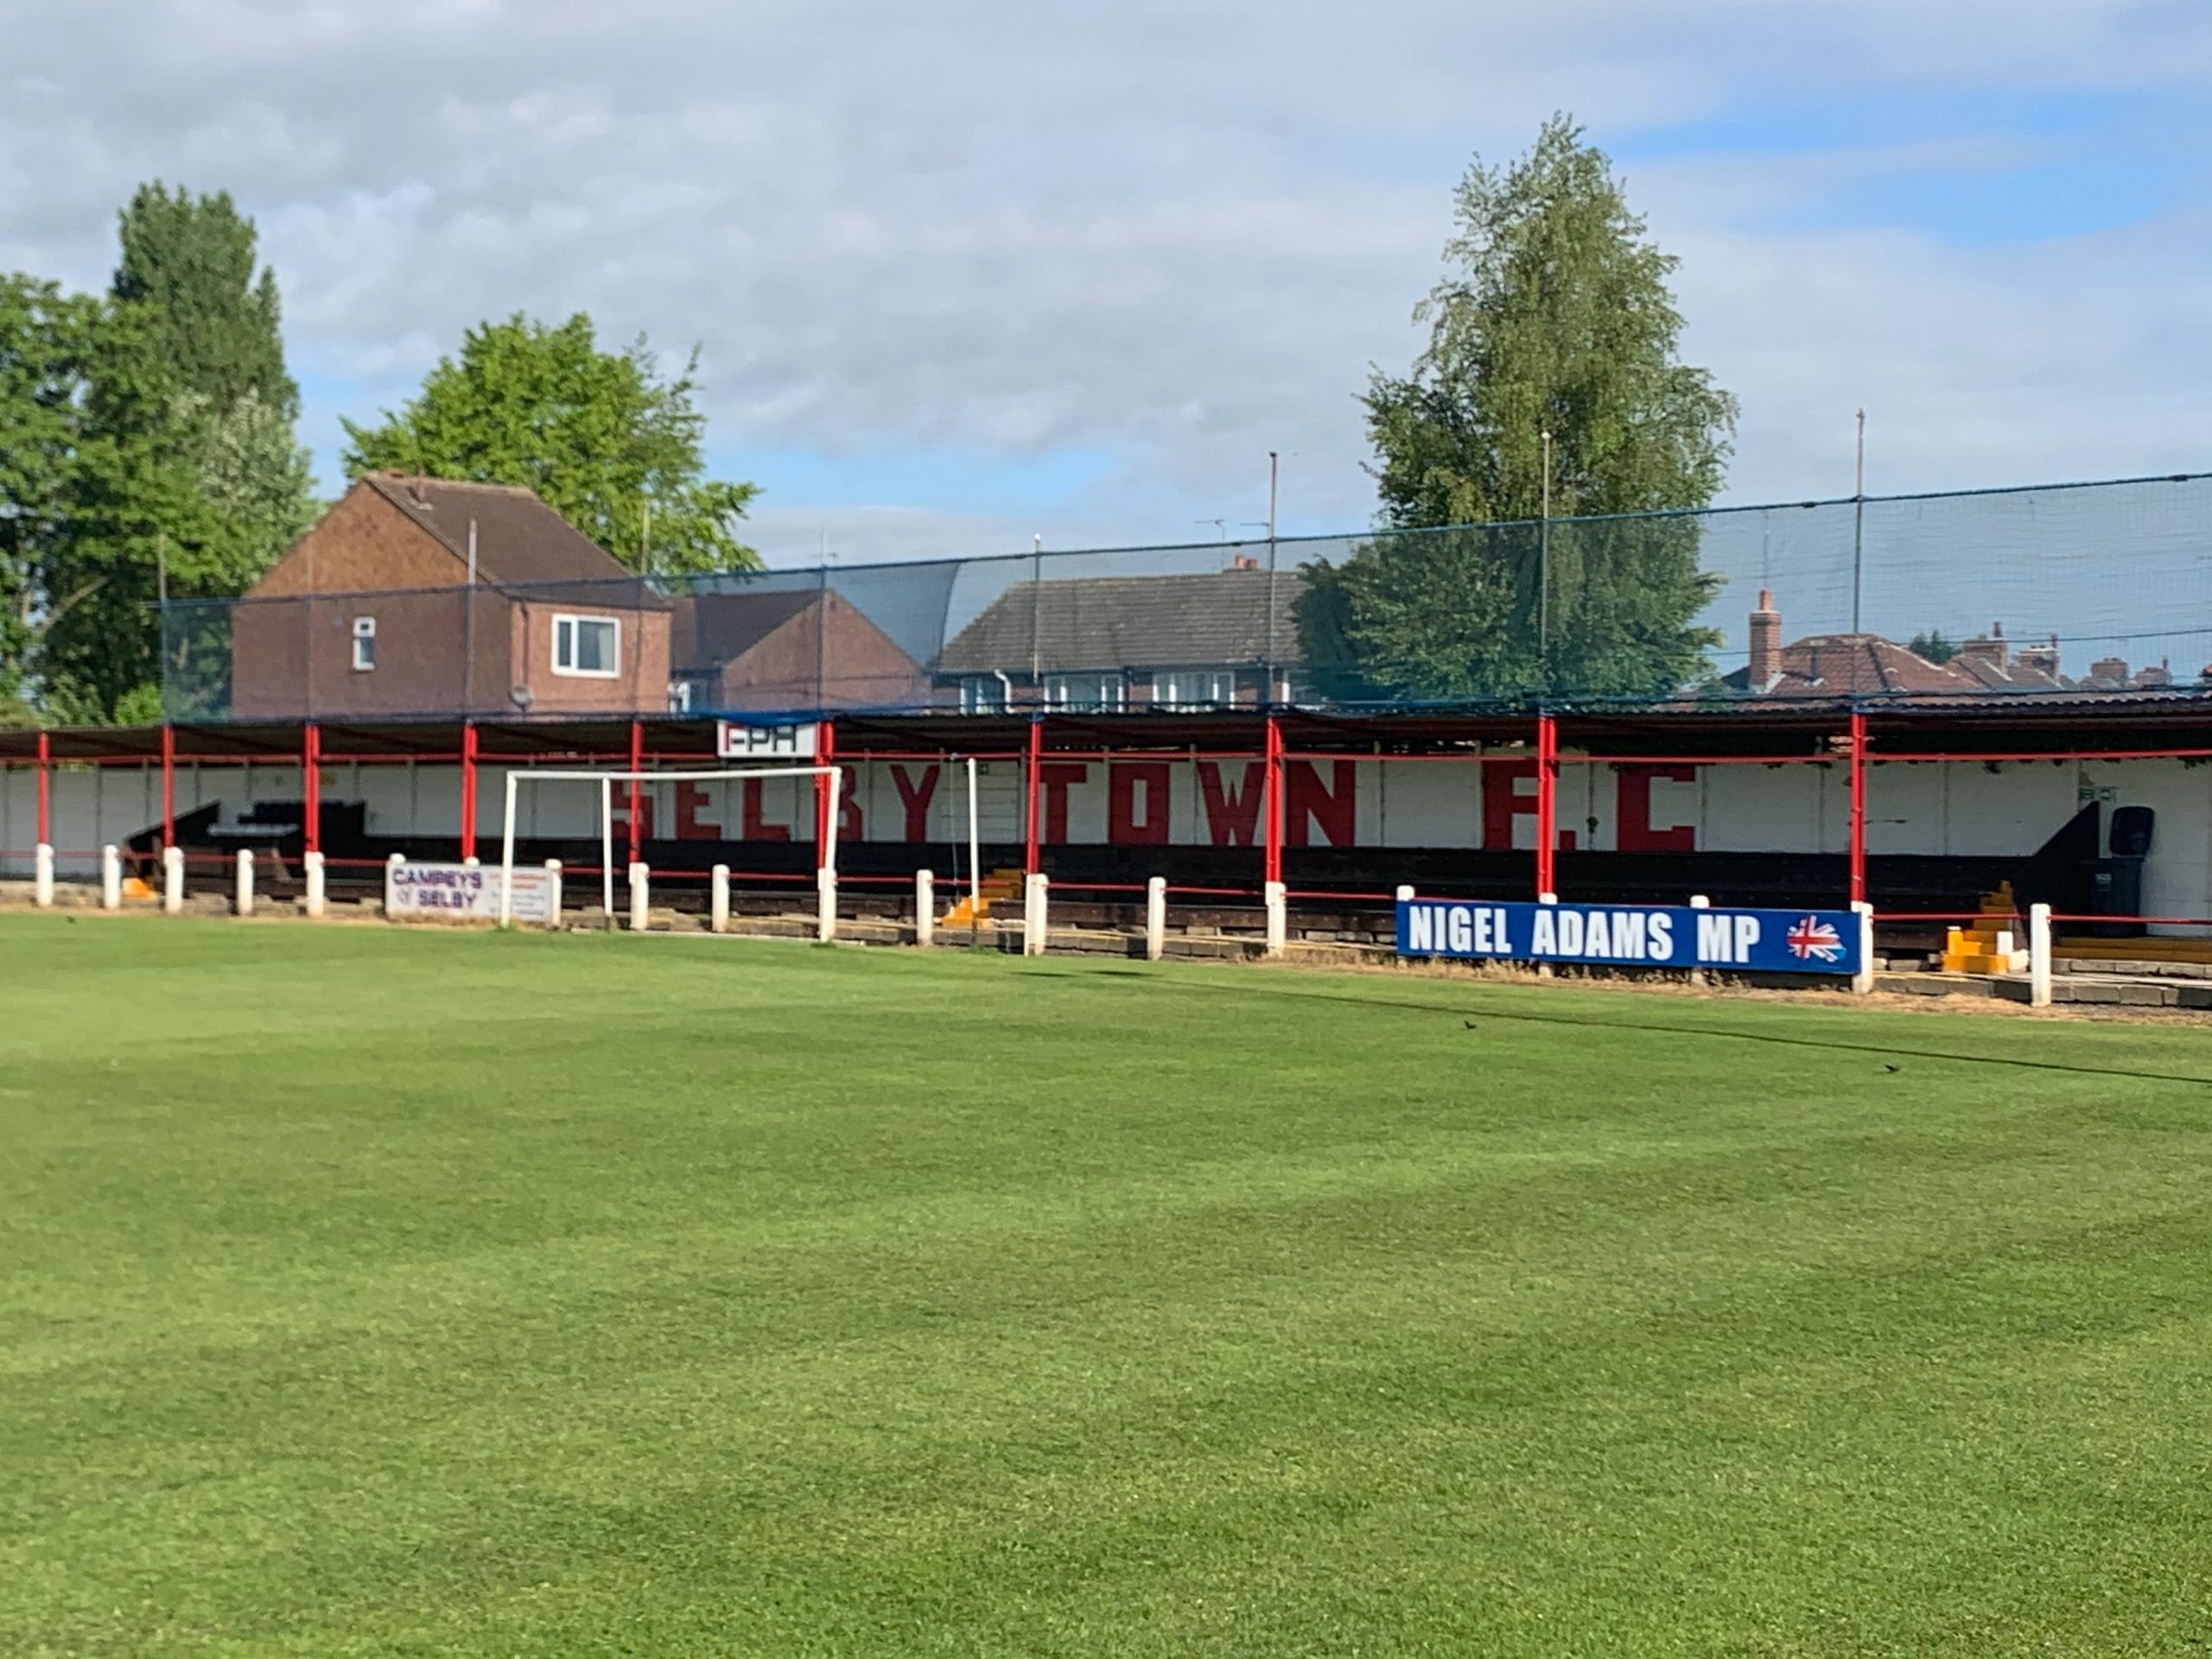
x,y
365,1291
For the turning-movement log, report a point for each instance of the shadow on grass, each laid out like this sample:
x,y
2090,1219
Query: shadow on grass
x,y
1489,1011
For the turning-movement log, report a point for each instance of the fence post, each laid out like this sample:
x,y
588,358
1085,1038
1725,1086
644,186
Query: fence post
x,y
825,906
641,898
111,878
1277,901
553,894
246,881
1544,968
1699,901
172,881
718,899
1863,981
314,863
392,867
1155,919
924,907
2038,956
1034,916
42,877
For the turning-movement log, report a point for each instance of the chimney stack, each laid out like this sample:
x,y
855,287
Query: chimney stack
x,y
1766,643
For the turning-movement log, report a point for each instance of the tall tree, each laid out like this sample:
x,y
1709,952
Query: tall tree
x,y
190,261
609,443
1555,316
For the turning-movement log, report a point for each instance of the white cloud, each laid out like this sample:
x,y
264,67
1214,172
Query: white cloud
x,y
1175,235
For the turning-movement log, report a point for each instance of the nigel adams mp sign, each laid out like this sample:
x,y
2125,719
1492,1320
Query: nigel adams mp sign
x,y
1633,936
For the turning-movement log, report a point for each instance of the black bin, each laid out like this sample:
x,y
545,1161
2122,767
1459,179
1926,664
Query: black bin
x,y
2115,889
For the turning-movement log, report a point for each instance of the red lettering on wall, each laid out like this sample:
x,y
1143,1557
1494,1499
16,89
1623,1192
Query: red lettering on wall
x,y
1122,829
1054,779
1232,816
620,814
757,828
1334,808
690,797
849,804
1636,834
1503,801
916,798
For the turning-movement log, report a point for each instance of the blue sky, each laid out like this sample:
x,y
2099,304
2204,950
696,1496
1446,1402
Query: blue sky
x,y
965,277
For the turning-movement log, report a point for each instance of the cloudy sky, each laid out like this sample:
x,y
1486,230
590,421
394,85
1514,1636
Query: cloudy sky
x,y
965,272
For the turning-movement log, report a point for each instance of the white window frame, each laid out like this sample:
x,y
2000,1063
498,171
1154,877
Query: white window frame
x,y
1102,692
573,621
982,694
365,645
1174,689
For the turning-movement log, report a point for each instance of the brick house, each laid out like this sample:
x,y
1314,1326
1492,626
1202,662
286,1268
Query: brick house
x,y
1868,664
374,612
1223,640
755,651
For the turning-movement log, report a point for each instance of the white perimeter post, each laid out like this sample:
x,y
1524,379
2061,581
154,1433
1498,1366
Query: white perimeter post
x,y
924,907
2038,956
718,899
1155,919
1544,968
1699,901
173,880
246,881
1863,981
111,878
975,845
606,849
1277,900
314,863
641,898
825,874
392,867
42,877
1033,915
553,894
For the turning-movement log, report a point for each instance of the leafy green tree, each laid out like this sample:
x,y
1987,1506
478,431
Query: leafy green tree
x,y
190,261
1555,316
42,336
600,435
1933,647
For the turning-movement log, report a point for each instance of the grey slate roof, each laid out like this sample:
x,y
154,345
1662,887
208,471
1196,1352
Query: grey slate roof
x,y
1079,623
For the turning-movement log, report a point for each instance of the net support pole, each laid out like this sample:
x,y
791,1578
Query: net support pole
x,y
1033,771
1546,806
718,899
169,784
2038,956
110,877
637,790
172,881
924,907
1857,830
311,792
825,807
1155,919
468,790
1271,800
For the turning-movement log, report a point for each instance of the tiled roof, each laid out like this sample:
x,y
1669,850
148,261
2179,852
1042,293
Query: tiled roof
x,y
1212,620
519,539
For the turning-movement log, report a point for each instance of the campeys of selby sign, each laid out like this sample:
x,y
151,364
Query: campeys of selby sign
x,y
447,892
1633,936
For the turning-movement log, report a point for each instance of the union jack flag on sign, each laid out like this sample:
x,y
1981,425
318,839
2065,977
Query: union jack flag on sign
x,y
1814,938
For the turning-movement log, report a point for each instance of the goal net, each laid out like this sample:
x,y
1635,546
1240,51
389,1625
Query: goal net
x,y
830,779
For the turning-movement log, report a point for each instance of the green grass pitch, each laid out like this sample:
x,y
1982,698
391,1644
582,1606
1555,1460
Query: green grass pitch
x,y
369,1291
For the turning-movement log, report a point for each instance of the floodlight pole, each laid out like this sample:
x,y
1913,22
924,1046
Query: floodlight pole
x,y
1544,571
1859,522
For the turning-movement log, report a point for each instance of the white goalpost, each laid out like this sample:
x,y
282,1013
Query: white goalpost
x,y
826,881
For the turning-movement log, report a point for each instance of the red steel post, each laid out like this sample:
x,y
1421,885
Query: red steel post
x,y
169,784
310,782
1547,801
1858,807
45,790
637,790
1033,771
469,789
826,832
1271,798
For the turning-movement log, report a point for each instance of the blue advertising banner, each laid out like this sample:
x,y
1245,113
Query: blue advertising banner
x,y
1632,936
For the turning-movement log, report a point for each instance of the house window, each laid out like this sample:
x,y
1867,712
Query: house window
x,y
587,646
365,644
982,694
1194,688
679,696
1086,693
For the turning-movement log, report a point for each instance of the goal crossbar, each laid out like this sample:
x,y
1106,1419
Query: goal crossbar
x,y
608,778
